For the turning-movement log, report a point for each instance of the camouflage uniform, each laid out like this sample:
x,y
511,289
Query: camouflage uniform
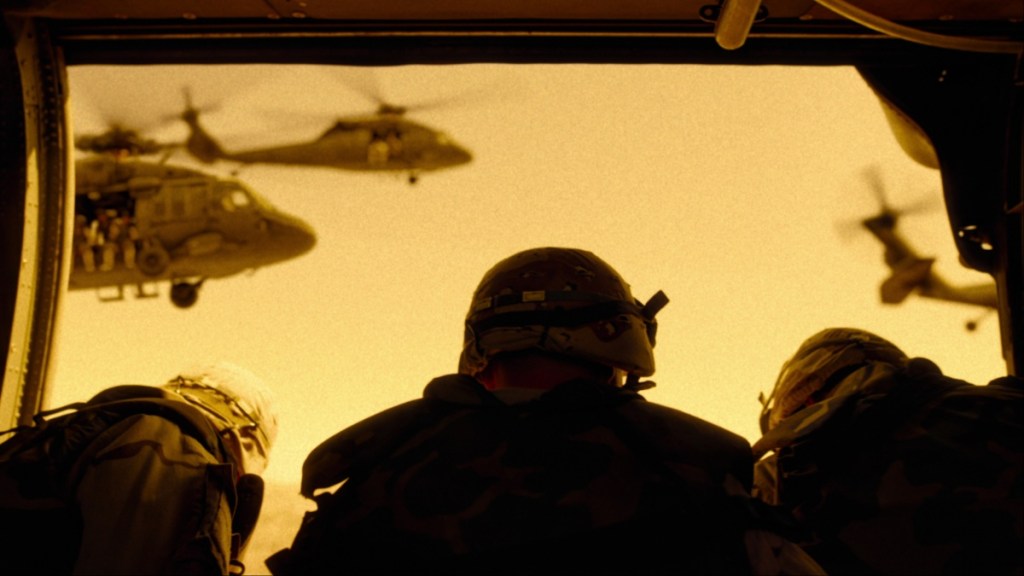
x,y
891,466
578,475
587,478
139,480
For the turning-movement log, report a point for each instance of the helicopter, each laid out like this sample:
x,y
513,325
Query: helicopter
x,y
139,221
119,141
385,141
910,272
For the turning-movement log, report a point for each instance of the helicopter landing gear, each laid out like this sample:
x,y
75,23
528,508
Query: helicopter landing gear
x,y
153,259
184,294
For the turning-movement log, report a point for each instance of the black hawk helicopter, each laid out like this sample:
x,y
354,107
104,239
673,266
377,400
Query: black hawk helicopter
x,y
910,272
119,141
385,141
140,221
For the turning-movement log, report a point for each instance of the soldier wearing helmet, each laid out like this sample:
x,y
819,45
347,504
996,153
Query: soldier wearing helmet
x,y
539,456
567,303
141,479
890,466
238,405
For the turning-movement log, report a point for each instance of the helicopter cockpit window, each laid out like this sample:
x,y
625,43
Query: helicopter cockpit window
x,y
741,191
235,199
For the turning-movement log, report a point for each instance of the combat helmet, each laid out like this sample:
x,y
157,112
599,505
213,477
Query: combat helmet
x,y
819,365
564,301
238,403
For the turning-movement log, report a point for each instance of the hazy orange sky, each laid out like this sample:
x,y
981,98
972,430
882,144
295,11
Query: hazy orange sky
x,y
732,189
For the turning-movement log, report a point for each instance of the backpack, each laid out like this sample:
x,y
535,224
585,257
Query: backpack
x,y
38,473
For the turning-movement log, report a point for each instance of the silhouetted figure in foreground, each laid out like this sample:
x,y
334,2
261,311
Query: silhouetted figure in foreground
x,y
892,467
540,456
140,479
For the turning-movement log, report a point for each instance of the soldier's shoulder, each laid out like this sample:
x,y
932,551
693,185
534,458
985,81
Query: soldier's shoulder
x,y
1011,387
662,420
361,444
128,431
681,437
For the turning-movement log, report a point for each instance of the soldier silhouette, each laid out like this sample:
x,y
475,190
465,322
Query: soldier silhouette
x,y
540,456
890,466
140,479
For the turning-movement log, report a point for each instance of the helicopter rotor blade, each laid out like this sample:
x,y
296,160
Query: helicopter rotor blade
x,y
365,82
462,99
362,81
111,127
292,121
849,229
100,94
873,176
190,106
923,205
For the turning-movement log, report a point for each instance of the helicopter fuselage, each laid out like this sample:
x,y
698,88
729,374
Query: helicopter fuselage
x,y
913,273
368,144
139,222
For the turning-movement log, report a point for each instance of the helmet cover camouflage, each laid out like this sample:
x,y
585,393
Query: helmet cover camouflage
x,y
237,402
564,301
819,365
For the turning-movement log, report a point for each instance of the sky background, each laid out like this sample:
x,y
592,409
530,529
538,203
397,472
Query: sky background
x,y
736,190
